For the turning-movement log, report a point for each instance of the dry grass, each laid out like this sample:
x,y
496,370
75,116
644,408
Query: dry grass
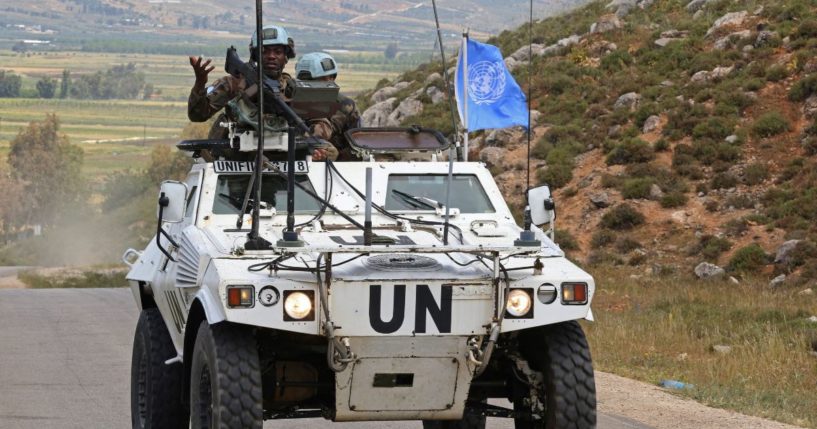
x,y
653,328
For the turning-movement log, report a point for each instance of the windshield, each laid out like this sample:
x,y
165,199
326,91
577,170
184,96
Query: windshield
x,y
232,188
421,192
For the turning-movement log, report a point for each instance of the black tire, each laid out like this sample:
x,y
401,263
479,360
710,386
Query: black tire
x,y
225,379
156,388
561,353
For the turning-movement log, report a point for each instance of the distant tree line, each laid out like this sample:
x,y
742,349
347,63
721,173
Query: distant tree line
x,y
142,47
121,81
42,179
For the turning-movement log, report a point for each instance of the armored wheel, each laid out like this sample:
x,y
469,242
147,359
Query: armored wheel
x,y
156,388
567,392
225,379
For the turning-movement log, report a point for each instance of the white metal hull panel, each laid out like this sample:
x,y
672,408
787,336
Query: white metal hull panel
x,y
433,382
417,307
441,379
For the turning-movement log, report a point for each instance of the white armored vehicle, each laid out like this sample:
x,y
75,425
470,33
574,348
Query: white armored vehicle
x,y
379,289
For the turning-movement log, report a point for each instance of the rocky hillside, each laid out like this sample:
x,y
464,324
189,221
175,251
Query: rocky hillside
x,y
676,132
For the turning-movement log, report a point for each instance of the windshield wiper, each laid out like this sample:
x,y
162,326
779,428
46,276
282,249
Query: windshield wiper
x,y
417,202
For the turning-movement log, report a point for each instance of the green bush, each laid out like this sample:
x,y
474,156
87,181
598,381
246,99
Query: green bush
x,y
637,187
755,84
601,238
740,202
556,176
733,101
660,145
713,128
770,124
626,245
566,240
709,152
616,60
622,217
724,181
673,199
712,247
755,174
630,152
807,29
751,258
776,73
611,181
803,88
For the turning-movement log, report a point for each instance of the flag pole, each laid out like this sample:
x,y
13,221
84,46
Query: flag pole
x,y
465,89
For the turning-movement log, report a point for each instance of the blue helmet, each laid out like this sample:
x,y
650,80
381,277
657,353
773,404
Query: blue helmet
x,y
273,35
316,65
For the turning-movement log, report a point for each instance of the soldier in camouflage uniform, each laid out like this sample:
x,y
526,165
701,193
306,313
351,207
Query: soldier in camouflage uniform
x,y
203,102
321,66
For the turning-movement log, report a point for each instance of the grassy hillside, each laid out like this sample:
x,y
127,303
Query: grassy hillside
x,y
675,134
728,151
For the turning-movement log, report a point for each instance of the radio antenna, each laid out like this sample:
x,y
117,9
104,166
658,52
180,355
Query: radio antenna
x,y
445,74
530,83
451,150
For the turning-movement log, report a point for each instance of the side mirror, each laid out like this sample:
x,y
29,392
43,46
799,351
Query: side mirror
x,y
542,207
172,201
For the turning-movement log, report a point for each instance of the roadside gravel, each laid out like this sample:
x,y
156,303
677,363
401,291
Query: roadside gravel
x,y
660,409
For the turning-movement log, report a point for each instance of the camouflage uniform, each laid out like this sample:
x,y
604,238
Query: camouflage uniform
x,y
202,105
345,119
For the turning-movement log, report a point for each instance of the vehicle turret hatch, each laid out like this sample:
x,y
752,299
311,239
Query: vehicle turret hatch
x,y
375,141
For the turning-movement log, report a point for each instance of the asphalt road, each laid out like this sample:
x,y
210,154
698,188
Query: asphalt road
x,y
65,363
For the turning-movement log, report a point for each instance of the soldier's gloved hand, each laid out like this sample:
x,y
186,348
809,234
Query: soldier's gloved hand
x,y
201,68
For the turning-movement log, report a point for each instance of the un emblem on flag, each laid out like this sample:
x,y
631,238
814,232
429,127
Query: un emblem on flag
x,y
486,82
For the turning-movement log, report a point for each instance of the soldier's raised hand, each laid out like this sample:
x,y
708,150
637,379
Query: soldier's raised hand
x,y
201,68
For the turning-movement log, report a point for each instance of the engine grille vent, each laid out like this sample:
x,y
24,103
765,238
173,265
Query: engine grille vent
x,y
402,262
188,271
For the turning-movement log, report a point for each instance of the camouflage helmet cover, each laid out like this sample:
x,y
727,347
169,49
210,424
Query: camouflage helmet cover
x,y
316,65
273,35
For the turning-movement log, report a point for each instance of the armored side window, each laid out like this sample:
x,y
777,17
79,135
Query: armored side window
x,y
408,192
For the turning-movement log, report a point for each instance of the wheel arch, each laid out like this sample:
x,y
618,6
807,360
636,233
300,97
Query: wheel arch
x,y
203,308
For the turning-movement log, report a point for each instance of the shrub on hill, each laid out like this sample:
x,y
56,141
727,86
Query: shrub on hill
x,y
673,200
711,247
803,88
724,181
770,124
755,174
637,188
622,217
714,128
751,258
630,152
776,73
602,238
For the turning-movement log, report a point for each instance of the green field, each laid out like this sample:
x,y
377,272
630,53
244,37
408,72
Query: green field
x,y
113,133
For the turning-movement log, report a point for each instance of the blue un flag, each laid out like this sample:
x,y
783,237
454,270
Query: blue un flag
x,y
494,98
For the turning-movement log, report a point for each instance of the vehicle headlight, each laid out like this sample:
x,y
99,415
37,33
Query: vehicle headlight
x,y
298,305
519,303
